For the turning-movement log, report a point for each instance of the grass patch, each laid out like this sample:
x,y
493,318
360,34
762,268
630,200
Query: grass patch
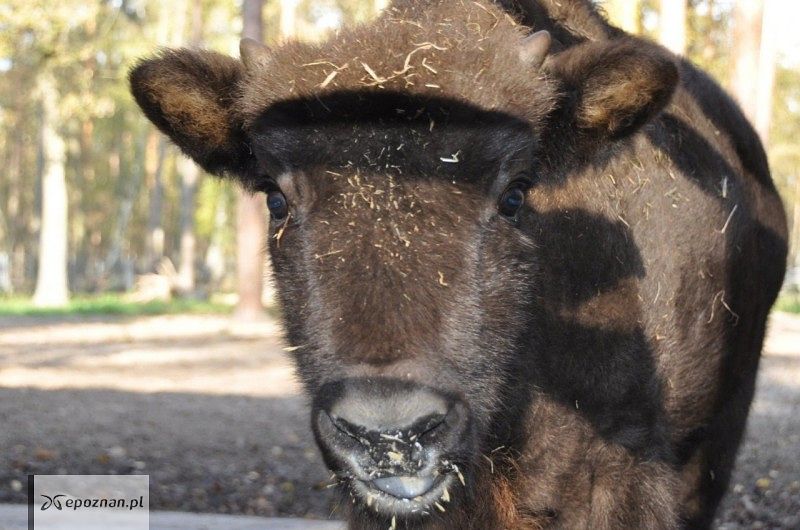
x,y
788,302
112,304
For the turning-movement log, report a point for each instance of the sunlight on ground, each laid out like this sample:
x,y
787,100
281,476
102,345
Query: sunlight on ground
x,y
184,353
212,355
783,335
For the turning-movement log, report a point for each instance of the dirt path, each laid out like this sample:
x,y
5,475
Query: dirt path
x,y
214,415
765,489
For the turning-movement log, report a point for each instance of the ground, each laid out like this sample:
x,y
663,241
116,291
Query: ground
x,y
212,412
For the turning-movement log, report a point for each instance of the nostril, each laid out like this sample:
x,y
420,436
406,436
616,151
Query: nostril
x,y
426,424
341,424
345,427
412,433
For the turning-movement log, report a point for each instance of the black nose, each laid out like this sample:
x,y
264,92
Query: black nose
x,y
408,432
394,438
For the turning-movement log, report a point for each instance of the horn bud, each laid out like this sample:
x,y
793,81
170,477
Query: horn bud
x,y
534,48
254,55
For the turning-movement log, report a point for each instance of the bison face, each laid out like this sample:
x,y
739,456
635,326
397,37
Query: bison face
x,y
407,255
405,266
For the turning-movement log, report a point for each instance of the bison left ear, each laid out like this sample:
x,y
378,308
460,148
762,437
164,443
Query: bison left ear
x,y
191,96
614,87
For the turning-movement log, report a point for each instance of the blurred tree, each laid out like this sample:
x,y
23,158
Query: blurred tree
x,y
288,18
167,31
784,150
51,280
251,210
129,194
379,5
190,174
709,36
626,14
155,154
37,38
672,25
213,225
747,22
794,234
767,62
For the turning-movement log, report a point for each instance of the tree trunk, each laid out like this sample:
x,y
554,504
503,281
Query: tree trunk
x,y
84,181
625,14
5,233
155,153
190,174
672,27
747,19
766,70
215,254
14,225
250,210
288,20
118,263
51,279
795,233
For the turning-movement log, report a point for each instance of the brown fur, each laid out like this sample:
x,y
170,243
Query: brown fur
x,y
570,21
190,93
446,60
605,342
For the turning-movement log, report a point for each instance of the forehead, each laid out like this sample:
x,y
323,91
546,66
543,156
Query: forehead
x,y
449,49
394,134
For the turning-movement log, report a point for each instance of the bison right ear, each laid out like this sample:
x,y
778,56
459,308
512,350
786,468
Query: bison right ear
x,y
190,96
613,87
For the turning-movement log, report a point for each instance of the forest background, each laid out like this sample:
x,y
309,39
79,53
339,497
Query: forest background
x,y
99,212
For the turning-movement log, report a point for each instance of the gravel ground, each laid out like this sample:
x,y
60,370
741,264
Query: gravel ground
x,y
212,413
765,489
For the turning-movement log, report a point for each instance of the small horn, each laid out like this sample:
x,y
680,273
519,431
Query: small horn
x,y
534,48
253,54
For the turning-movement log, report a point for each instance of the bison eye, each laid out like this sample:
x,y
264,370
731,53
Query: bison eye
x,y
513,198
277,205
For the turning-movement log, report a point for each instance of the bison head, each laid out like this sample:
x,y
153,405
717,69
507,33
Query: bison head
x,y
397,158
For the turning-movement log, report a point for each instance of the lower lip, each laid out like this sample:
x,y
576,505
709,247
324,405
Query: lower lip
x,y
436,499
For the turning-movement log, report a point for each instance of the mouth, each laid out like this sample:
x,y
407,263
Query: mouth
x,y
404,487
406,495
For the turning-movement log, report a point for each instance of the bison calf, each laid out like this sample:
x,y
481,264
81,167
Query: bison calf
x,y
525,260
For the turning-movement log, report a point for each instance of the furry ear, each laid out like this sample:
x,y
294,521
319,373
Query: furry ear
x,y
615,86
190,95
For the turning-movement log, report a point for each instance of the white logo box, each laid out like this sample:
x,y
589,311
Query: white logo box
x,y
91,502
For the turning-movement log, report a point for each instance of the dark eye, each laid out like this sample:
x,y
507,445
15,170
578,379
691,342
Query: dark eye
x,y
512,199
277,205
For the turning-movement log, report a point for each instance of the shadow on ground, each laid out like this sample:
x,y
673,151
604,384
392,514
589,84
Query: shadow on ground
x,y
225,454
215,417
765,487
